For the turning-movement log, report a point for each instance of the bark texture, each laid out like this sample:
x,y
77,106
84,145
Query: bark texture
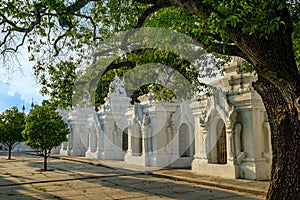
x,y
285,138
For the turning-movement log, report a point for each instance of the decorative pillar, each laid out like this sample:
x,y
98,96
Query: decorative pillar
x,y
99,142
230,134
200,117
129,141
204,145
250,137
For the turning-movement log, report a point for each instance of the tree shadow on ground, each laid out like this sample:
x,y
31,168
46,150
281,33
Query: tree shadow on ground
x,y
15,187
126,184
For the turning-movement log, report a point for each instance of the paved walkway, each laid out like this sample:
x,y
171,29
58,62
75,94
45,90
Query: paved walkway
x,y
241,185
80,178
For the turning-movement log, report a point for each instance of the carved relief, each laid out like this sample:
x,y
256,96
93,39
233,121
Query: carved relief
x,y
170,127
117,88
202,119
240,154
230,121
147,130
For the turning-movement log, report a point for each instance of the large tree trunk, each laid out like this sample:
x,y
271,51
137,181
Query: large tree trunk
x,y
285,138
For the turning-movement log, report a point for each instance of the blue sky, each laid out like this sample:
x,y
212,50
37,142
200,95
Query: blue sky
x,y
18,86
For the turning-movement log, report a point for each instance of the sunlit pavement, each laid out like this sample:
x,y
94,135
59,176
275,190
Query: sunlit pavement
x,y
21,178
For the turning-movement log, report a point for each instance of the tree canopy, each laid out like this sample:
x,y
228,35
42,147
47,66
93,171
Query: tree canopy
x,y
44,130
62,33
11,126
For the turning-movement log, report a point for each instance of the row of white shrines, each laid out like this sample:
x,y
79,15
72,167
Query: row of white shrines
x,y
226,134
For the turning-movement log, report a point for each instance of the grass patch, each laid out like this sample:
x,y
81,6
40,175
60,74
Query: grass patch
x,y
39,188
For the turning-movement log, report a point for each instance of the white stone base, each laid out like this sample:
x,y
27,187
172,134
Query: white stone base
x,y
162,159
154,159
90,155
149,159
73,152
64,152
135,159
223,170
182,162
77,152
255,170
106,155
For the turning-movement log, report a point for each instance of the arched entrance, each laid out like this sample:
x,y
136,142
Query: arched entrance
x,y
125,140
221,143
184,141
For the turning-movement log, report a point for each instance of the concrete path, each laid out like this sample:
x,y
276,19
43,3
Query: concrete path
x,y
241,185
22,178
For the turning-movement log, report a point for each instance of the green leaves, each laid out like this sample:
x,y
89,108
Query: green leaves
x,y
11,126
73,36
137,83
59,83
45,128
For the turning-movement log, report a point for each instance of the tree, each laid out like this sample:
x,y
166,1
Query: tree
x,y
44,130
11,126
264,33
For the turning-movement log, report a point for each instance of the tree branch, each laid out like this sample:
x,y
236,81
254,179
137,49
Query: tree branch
x,y
19,45
77,6
14,27
95,37
5,38
56,48
196,7
148,12
39,10
112,66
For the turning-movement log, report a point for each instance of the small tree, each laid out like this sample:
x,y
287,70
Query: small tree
x,y
11,126
44,130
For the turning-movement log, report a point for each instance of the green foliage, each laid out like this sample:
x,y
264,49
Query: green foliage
x,y
59,83
45,129
245,67
137,82
11,126
251,17
65,34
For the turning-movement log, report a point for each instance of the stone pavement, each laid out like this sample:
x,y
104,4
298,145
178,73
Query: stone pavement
x,y
79,178
241,185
